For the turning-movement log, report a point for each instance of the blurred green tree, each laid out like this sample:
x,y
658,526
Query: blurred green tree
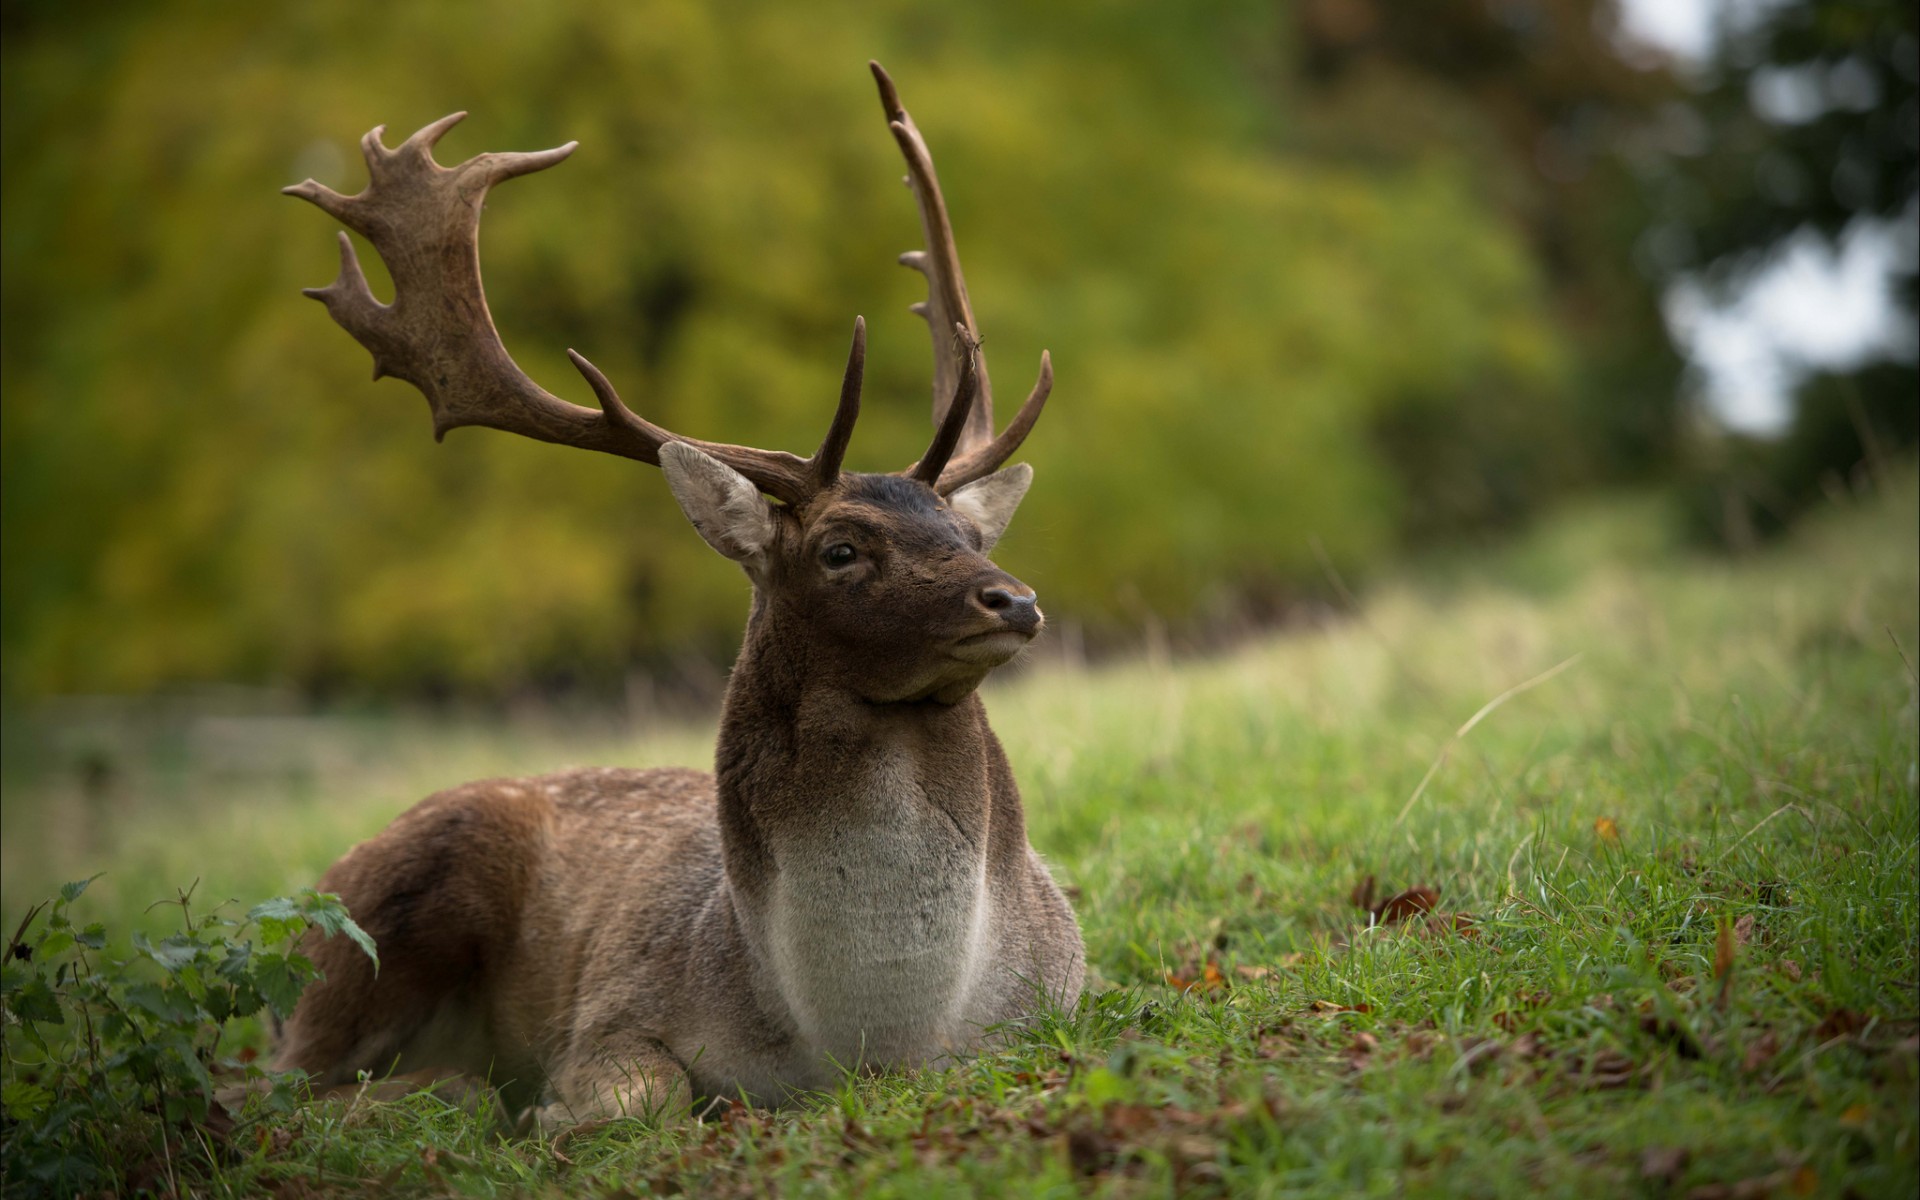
x,y
1279,311
1535,101
1804,124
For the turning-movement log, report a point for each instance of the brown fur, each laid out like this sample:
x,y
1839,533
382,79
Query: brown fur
x,y
853,889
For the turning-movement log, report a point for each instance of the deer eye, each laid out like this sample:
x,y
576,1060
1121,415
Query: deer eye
x,y
839,554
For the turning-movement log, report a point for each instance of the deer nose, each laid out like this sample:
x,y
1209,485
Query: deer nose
x,y
1019,609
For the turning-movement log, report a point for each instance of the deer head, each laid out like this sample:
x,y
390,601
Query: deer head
x,y
886,576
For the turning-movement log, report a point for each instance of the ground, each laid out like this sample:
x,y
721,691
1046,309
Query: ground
x,y
1585,867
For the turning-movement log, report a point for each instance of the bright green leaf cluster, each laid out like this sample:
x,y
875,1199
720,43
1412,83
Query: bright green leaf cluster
x,y
102,1054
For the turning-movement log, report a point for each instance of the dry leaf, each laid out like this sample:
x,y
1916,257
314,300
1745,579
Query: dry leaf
x,y
1841,1022
1723,963
1412,902
1205,978
1760,1051
1790,969
1723,952
1360,1049
1607,1069
1743,930
1607,829
1527,1047
1247,971
1800,1181
1664,1164
1328,1008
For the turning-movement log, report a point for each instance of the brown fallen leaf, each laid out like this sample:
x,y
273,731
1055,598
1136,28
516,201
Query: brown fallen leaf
x,y
1664,1164
1324,1008
1841,1022
1248,971
1723,963
1743,930
1790,969
1607,829
1606,1070
1723,946
1361,1049
1797,1181
1205,978
1412,902
1761,1050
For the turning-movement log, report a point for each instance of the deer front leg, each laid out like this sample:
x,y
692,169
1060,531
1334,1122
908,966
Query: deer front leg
x,y
622,1075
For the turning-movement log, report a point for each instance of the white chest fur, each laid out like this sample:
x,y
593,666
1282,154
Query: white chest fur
x,y
877,924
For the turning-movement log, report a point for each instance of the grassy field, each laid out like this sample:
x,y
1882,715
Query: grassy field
x,y
1665,810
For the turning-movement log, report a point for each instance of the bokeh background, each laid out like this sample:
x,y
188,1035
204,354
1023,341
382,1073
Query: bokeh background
x,y
1330,285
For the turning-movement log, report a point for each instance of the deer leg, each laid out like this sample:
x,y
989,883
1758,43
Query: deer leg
x,y
621,1075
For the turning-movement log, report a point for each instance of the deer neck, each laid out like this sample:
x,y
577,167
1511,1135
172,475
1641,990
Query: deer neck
x,y
859,841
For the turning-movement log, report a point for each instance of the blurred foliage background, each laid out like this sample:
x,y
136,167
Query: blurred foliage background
x,y
1323,282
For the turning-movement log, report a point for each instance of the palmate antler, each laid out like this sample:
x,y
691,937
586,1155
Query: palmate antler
x,y
424,219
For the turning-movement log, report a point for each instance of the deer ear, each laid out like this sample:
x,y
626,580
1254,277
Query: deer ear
x,y
723,504
989,502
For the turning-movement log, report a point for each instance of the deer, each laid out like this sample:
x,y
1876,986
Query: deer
x,y
852,888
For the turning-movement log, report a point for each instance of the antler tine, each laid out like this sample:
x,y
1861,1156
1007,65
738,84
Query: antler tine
x,y
428,136
985,460
946,304
833,448
947,437
424,220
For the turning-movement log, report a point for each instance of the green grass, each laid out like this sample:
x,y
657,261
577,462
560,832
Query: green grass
x,y
1726,746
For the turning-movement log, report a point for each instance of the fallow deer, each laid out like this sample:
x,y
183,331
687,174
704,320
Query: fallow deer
x,y
853,887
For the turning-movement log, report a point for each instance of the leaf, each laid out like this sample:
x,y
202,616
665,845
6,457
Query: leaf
x,y
1760,1051
1412,902
70,892
93,937
362,939
35,1001
172,952
1361,1049
1607,1070
24,1101
1607,830
282,908
1664,1164
277,920
280,979
164,1003
1723,962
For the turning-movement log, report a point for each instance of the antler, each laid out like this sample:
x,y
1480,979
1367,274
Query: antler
x,y
946,307
424,219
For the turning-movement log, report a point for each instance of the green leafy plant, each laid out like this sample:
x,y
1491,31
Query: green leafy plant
x,y
111,1060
